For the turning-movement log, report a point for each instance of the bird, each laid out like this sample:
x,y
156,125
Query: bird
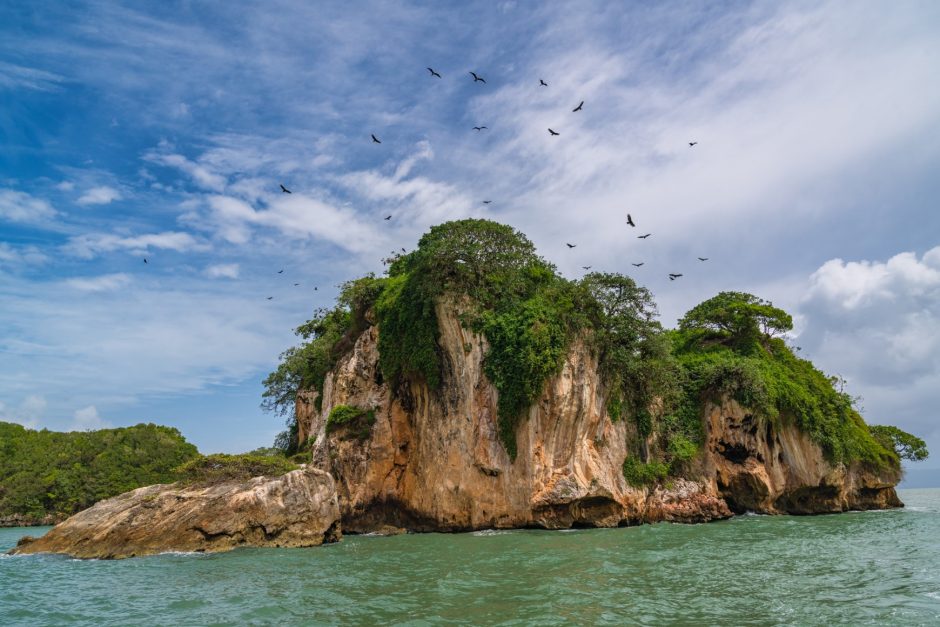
x,y
145,260
296,284
314,289
638,264
630,220
375,139
280,272
692,144
486,202
586,267
388,217
270,298
477,79
673,277
433,73
553,132
543,83
478,128
643,236
570,245
285,190
703,258
403,249
578,108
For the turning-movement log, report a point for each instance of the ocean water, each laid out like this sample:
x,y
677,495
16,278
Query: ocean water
x,y
844,569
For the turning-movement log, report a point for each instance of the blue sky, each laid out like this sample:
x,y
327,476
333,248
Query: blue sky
x,y
162,131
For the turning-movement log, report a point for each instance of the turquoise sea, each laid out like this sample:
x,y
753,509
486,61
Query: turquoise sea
x,y
844,569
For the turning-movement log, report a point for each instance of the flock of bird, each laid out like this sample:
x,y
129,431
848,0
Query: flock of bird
x,y
479,79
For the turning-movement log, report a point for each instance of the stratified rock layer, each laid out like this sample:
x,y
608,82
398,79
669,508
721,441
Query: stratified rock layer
x,y
433,460
294,510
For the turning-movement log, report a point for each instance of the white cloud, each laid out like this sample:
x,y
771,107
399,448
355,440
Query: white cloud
x,y
877,323
65,186
859,283
27,413
87,419
222,270
101,195
89,245
104,283
21,77
15,255
200,174
21,207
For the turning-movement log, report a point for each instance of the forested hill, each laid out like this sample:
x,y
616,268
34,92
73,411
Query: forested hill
x,y
46,476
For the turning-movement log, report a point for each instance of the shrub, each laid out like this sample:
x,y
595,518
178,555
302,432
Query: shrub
x,y
353,422
219,467
639,474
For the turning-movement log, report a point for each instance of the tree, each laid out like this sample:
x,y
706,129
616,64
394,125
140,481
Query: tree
x,y
736,319
906,445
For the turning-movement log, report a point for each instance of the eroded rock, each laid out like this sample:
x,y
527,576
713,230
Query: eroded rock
x,y
297,509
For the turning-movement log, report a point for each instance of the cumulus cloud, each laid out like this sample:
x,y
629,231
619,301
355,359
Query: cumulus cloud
x,y
104,283
877,323
18,206
101,195
89,245
28,412
87,419
222,271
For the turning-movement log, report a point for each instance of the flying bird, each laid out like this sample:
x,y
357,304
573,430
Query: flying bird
x,y
403,249
388,217
570,245
477,79
643,236
673,277
285,190
543,83
587,267
145,260
486,202
630,220
296,284
638,264
692,144
703,258
578,108
433,73
314,289
478,128
376,139
270,298
280,272
553,132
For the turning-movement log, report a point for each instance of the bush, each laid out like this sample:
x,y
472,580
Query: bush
x,y
212,469
639,474
353,422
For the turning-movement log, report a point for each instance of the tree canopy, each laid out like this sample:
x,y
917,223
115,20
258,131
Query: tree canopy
x,y
48,473
737,319
907,446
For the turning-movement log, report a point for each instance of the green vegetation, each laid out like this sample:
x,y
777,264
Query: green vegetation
x,y
907,446
48,473
727,346
212,469
327,336
656,380
353,422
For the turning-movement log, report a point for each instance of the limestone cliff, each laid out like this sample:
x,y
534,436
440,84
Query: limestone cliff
x,y
293,510
433,460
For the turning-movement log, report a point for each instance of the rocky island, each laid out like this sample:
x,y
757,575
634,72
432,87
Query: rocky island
x,y
475,387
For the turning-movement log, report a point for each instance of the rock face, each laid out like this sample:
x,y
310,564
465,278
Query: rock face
x,y
763,468
294,510
433,461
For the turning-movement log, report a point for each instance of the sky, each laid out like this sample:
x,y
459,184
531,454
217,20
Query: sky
x,y
162,131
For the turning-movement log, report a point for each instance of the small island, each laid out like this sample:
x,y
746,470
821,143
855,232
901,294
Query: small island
x,y
475,387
